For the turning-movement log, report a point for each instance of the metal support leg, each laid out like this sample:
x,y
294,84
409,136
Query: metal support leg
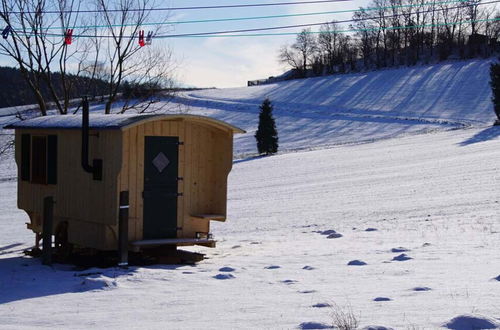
x,y
48,220
123,230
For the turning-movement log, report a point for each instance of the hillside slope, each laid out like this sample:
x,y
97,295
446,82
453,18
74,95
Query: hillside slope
x,y
318,112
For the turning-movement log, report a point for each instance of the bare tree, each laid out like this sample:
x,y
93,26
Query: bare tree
x,y
124,27
38,48
329,45
287,55
306,45
106,47
151,81
366,35
301,53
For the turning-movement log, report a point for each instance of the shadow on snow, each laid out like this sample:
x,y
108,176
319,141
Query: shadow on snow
x,y
24,278
488,134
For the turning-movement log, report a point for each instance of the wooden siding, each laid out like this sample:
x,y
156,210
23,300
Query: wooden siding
x,y
91,207
205,160
77,196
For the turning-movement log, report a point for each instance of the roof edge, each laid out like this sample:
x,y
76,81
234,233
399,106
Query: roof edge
x,y
213,121
151,118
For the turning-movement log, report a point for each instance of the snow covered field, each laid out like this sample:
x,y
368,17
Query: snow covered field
x,y
417,214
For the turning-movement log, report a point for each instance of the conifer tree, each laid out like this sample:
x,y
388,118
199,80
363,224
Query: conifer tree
x,y
495,87
266,135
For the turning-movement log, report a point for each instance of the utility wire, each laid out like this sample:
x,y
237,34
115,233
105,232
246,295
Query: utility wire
x,y
406,27
232,32
85,27
89,11
306,25
358,30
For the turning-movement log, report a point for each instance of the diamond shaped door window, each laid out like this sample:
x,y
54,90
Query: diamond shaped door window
x,y
161,162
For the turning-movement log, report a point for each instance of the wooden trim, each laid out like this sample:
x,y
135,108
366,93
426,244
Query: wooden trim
x,y
215,217
191,118
171,241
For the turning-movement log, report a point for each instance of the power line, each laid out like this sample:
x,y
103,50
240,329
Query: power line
x,y
228,32
303,25
406,27
90,11
259,17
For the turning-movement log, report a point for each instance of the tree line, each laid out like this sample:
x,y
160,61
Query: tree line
x,y
15,90
396,32
68,48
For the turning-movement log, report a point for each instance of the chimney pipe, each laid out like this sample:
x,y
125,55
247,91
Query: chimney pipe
x,y
85,136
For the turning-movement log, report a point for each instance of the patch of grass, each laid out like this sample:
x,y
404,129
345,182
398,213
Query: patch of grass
x,y
343,318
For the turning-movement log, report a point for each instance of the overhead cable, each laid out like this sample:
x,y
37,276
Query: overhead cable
x,y
89,11
85,27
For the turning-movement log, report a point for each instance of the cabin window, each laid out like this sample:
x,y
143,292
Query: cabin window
x,y
39,159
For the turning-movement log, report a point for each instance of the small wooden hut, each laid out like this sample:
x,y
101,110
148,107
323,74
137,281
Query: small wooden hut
x,y
174,168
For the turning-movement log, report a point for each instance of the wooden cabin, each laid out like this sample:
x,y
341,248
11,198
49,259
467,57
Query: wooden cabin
x,y
174,168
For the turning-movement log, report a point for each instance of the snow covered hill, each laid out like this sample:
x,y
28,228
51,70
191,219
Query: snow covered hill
x,y
355,108
403,232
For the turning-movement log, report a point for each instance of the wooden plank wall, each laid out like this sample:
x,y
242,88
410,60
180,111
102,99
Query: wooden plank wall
x,y
79,199
205,160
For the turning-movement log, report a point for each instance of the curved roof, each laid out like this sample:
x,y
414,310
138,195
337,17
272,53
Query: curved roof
x,y
111,122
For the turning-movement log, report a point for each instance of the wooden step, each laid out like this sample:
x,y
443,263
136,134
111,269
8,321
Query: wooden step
x,y
215,217
173,241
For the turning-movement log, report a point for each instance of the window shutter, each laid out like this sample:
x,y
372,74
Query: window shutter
x,y
52,159
25,157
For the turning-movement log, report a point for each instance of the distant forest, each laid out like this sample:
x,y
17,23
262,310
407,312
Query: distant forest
x,y
389,33
15,90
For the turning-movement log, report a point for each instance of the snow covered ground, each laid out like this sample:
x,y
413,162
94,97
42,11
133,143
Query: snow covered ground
x,y
417,215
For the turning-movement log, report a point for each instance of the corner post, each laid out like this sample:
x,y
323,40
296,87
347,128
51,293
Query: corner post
x,y
123,229
48,220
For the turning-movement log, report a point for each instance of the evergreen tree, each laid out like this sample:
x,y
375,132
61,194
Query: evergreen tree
x,y
495,87
267,135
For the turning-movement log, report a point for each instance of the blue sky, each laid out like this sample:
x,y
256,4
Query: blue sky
x,y
230,62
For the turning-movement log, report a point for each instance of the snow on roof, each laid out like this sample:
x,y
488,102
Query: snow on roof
x,y
107,122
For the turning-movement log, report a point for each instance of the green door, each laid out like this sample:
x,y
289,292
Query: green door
x,y
161,165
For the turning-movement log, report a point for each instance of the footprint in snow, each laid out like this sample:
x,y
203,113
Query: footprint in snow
x,y
426,244
356,263
376,327
95,284
464,322
371,229
382,299
272,267
227,269
288,282
235,246
334,235
308,268
255,243
497,278
327,232
401,257
321,305
421,289
314,325
399,249
307,291
224,276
